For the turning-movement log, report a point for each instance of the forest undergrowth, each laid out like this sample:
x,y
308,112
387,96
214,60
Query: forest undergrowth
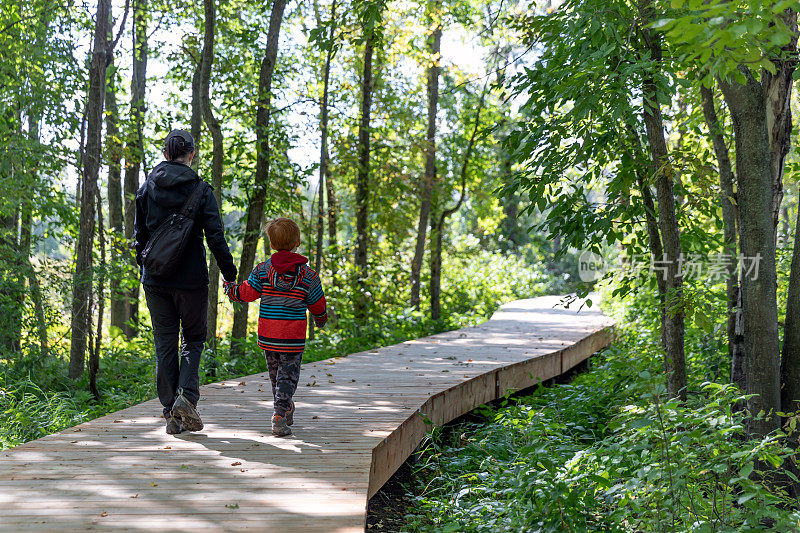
x,y
608,452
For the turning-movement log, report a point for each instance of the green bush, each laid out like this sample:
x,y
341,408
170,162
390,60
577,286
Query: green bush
x,y
606,453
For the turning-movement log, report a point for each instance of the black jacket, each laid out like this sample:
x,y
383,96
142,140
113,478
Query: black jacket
x,y
163,193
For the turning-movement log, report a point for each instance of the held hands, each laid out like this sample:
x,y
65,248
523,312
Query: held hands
x,y
227,285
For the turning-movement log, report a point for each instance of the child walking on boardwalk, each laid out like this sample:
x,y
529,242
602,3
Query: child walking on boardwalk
x,y
287,286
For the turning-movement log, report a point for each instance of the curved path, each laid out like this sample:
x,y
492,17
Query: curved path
x,y
358,418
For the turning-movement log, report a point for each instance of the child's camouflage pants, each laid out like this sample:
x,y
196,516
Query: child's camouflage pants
x,y
284,372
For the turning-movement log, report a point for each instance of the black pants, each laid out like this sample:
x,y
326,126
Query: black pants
x,y
175,311
284,373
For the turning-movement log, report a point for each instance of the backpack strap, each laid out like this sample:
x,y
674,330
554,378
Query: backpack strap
x,y
189,209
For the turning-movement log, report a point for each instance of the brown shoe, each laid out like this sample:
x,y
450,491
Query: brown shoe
x,y
174,425
185,411
280,427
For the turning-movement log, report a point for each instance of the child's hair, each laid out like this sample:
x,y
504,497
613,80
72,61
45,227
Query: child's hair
x,y
283,233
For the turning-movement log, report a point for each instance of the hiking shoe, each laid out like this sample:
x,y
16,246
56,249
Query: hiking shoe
x,y
174,425
280,427
290,415
185,411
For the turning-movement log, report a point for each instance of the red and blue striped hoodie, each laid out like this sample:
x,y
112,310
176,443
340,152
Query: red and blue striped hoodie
x,y
287,286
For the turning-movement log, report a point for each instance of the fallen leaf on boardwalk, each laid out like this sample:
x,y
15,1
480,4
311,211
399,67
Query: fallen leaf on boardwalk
x,y
73,442
237,463
153,484
117,421
445,371
242,383
331,381
328,374
135,495
232,505
104,513
124,437
469,360
352,381
314,417
242,470
167,447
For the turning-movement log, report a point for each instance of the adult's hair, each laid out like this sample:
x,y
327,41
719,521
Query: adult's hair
x,y
178,145
283,233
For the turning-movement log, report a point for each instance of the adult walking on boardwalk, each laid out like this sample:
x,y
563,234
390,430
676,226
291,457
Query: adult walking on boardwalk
x,y
175,206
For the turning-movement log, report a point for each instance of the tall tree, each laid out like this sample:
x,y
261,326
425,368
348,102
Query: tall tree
x,y
426,186
258,195
82,279
134,153
726,181
34,118
360,304
437,227
747,103
673,331
329,46
116,218
214,128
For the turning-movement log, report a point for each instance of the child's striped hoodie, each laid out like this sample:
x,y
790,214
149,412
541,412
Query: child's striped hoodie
x,y
287,286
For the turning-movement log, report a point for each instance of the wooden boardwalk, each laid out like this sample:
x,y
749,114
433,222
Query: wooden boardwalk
x,y
358,418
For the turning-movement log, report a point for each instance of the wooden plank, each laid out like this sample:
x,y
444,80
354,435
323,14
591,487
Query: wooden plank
x,y
358,418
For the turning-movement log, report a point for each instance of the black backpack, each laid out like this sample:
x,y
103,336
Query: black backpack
x,y
165,246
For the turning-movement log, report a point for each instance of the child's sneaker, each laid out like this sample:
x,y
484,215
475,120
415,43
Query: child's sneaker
x,y
183,409
280,426
290,416
173,425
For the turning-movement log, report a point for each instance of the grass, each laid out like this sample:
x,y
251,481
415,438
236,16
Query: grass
x,y
605,452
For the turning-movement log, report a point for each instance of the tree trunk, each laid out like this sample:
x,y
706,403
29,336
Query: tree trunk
x,y
434,50
674,361
258,195
116,220
726,180
216,162
135,153
94,350
196,120
790,355
27,223
360,303
437,228
747,104
82,281
778,92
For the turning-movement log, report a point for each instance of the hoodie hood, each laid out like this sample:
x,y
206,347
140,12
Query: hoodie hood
x,y
165,181
285,261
